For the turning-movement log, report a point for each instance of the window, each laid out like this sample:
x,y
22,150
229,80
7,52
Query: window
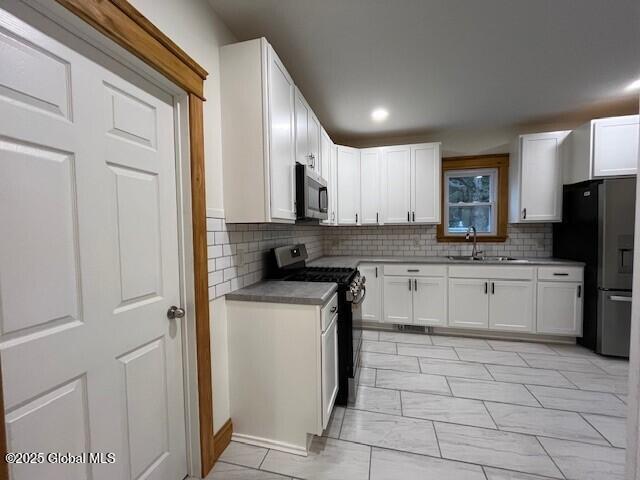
x,y
474,194
471,198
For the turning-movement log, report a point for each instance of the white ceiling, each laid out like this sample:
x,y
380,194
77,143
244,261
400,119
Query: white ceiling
x,y
446,64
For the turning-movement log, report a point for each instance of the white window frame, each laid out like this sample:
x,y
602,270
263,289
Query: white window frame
x,y
493,187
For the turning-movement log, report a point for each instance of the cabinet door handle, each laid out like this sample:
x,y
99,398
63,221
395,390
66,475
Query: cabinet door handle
x,y
409,284
408,217
579,291
486,287
376,272
377,218
493,289
356,218
524,213
415,284
560,274
414,216
413,270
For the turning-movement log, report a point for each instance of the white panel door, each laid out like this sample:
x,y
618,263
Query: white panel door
x,y
301,128
397,300
372,304
541,177
90,267
615,146
511,306
281,144
430,301
396,181
425,183
468,303
370,163
559,308
329,370
314,129
348,186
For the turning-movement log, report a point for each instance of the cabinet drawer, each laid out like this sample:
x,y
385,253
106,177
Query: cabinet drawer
x,y
498,272
560,274
329,311
413,270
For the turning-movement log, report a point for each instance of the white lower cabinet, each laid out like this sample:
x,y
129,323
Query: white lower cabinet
x,y
559,308
429,301
398,300
509,298
415,295
371,308
329,369
468,303
511,305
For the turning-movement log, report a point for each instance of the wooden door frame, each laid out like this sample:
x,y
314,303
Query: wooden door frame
x,y
120,22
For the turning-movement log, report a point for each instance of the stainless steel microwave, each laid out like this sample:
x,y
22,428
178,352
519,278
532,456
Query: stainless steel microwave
x,y
312,200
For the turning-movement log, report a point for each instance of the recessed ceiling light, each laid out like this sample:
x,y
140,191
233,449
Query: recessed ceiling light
x,y
633,86
379,114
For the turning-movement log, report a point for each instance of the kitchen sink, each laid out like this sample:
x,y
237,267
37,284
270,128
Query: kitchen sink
x,y
469,258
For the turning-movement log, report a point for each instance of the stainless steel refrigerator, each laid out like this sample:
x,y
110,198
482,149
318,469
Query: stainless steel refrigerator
x,y
597,228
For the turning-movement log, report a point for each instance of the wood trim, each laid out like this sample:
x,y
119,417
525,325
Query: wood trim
x,y
499,161
122,23
203,335
222,438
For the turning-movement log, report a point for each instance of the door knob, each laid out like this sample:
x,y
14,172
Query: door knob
x,y
175,312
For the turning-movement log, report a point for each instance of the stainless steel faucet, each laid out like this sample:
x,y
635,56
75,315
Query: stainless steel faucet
x,y
474,252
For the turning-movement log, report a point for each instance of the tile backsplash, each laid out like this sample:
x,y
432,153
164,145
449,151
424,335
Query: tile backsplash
x,y
530,240
237,252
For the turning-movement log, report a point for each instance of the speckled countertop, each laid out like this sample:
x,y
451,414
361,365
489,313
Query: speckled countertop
x,y
277,291
351,261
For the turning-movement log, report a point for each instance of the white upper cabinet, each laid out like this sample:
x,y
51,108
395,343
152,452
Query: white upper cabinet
x,y
314,132
258,151
535,177
425,183
348,168
332,183
602,148
370,169
615,146
324,162
411,183
328,171
302,114
307,133
396,184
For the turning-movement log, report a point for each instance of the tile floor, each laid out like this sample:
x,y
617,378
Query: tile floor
x,y
436,407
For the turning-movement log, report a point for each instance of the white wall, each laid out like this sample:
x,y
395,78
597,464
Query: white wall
x,y
195,27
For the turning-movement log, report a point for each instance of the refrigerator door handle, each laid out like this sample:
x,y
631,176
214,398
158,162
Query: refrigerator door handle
x,y
619,298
